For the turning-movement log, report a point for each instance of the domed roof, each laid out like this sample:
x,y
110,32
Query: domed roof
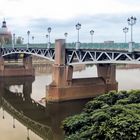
x,y
4,29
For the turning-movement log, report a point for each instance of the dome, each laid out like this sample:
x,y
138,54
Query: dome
x,y
5,35
4,24
4,29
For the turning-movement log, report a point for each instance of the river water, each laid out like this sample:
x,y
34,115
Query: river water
x,y
25,116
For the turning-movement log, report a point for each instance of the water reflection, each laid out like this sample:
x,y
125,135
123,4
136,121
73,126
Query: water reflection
x,y
28,119
45,121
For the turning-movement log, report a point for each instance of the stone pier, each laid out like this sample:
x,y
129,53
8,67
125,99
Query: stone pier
x,y
64,87
25,70
108,73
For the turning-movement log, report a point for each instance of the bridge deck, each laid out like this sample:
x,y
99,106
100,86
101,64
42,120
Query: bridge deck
x,y
87,54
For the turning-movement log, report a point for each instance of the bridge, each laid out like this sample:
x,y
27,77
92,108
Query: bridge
x,y
64,56
96,53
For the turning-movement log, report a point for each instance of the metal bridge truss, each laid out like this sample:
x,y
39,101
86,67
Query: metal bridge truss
x,y
90,56
81,56
40,52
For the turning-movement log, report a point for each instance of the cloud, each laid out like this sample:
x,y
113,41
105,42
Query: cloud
x,y
106,27
63,9
106,18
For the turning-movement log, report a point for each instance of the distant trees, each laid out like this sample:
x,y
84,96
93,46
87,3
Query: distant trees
x,y
112,116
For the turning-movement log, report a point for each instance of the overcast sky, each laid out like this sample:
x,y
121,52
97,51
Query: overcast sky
x,y
106,17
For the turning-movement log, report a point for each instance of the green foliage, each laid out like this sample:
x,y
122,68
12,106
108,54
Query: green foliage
x,y
112,116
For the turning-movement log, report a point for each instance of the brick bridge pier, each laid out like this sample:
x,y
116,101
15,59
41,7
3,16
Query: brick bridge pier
x,y
25,70
64,87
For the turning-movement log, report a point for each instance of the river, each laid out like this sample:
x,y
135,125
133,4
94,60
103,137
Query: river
x,y
25,115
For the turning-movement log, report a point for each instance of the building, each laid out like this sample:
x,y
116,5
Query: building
x,y
5,35
108,42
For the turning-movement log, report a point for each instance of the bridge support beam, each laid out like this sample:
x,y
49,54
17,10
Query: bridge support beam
x,y
64,87
108,73
25,70
27,63
62,74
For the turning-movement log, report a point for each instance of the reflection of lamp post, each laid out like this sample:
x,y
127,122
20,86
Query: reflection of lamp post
x,y
33,39
125,30
131,21
13,122
78,27
91,33
28,33
49,31
65,34
28,138
3,113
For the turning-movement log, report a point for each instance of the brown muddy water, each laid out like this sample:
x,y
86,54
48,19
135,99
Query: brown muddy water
x,y
25,116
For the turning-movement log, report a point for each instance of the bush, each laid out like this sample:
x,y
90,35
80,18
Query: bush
x,y
112,116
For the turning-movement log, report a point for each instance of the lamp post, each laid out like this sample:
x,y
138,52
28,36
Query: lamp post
x,y
28,33
47,39
49,31
131,21
33,39
13,40
125,30
91,33
78,27
22,40
66,34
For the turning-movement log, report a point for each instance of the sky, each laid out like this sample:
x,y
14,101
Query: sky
x,y
106,17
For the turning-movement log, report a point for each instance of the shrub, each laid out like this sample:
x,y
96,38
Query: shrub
x,y
112,116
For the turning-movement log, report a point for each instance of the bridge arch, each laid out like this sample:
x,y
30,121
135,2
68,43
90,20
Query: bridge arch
x,y
42,53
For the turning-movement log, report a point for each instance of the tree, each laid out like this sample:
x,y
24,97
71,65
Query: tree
x,y
112,116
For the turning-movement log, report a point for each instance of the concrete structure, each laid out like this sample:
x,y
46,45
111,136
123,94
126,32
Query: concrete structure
x,y
25,70
64,87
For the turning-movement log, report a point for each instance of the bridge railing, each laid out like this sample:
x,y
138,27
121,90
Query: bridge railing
x,y
25,46
102,46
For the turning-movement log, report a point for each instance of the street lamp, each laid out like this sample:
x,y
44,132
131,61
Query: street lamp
x,y
78,27
47,39
91,33
131,21
33,39
13,40
28,33
49,31
65,34
22,40
125,30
